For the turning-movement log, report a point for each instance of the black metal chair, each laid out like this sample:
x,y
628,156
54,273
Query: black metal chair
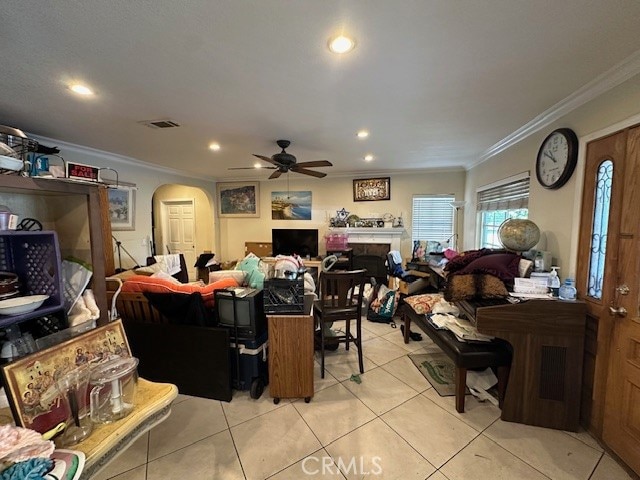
x,y
339,302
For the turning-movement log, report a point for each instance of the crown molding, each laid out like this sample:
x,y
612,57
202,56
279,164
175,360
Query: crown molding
x,y
623,71
117,158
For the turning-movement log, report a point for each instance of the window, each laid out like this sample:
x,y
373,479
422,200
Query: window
x,y
509,199
432,218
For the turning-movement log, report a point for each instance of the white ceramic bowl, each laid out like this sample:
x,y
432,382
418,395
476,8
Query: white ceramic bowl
x,y
18,305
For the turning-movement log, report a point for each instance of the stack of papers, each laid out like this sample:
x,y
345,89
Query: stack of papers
x,y
462,329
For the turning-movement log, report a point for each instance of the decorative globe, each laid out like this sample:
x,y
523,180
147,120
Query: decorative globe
x,y
518,234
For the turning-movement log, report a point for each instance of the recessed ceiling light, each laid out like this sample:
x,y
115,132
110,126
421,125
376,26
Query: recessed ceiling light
x,y
368,158
214,146
362,134
80,89
341,44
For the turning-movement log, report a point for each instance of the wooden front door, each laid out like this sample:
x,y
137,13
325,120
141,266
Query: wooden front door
x,y
608,280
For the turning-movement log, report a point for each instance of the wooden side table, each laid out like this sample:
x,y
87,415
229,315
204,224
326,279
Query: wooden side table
x,y
290,356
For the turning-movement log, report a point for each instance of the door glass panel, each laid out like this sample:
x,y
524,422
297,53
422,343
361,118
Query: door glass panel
x,y
600,228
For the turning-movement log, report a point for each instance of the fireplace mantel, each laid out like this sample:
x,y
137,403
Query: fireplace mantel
x,y
390,236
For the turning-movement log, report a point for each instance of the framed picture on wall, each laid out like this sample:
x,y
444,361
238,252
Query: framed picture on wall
x,y
241,199
122,208
291,205
371,189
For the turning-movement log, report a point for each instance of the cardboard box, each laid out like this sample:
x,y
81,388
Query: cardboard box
x,y
414,287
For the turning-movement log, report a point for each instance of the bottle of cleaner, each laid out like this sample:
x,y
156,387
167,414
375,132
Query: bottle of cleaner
x,y
554,282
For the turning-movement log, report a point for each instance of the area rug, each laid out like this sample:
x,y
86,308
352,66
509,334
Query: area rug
x,y
439,370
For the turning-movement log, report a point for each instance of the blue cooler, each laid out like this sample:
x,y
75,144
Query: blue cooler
x,y
249,364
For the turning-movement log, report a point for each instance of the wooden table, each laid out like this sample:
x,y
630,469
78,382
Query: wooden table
x,y
107,441
290,356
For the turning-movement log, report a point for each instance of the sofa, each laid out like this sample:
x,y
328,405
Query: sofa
x,y
171,330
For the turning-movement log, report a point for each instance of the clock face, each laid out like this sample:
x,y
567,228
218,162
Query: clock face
x,y
557,158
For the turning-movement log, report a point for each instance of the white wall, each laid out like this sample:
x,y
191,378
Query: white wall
x,y
147,180
555,211
329,195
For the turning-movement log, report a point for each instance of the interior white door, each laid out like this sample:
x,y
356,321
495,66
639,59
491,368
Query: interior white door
x,y
180,231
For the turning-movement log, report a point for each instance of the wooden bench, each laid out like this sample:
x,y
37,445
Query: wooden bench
x,y
464,355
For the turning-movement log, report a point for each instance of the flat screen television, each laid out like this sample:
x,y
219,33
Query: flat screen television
x,y
302,241
249,314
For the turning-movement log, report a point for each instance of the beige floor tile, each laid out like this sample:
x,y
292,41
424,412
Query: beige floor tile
x,y
483,455
379,329
317,465
138,473
339,356
273,441
322,383
478,415
382,351
586,438
242,407
397,338
403,369
553,452
434,433
181,398
334,412
380,391
368,335
190,421
343,364
377,449
438,476
132,457
608,469
213,457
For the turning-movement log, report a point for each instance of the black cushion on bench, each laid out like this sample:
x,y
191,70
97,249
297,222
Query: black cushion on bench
x,y
466,355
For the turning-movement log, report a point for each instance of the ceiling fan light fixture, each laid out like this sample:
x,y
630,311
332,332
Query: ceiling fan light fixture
x,y
214,146
341,44
257,165
362,134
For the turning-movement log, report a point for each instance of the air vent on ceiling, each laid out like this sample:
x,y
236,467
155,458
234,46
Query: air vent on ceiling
x,y
166,123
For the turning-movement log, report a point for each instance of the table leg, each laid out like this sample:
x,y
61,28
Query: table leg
x,y
407,327
461,385
503,377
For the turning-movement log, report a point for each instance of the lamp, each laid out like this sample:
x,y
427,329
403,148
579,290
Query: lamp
x,y
120,247
457,205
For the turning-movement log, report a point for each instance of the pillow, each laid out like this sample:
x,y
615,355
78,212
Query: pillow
x,y
238,275
165,276
422,304
149,270
501,265
468,286
124,275
141,284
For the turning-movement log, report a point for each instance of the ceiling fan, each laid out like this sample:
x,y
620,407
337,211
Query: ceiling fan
x,y
285,162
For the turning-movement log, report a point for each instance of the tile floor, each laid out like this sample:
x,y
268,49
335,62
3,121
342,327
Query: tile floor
x,y
391,425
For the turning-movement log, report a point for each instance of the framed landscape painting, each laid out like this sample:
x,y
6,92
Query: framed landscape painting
x,y
238,199
122,208
291,205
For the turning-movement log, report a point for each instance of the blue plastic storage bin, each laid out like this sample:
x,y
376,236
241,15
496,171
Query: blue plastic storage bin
x,y
35,258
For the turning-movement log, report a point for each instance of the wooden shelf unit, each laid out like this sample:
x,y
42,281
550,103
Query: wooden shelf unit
x,y
78,212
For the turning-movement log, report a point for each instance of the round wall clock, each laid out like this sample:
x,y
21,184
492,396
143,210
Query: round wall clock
x,y
557,158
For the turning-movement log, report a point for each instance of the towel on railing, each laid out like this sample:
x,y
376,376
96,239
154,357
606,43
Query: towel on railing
x,y
169,263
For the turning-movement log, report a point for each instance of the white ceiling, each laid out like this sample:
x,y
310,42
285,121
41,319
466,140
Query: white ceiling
x,y
437,83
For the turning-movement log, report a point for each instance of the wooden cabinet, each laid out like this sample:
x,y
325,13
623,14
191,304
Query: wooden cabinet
x,y
290,356
78,212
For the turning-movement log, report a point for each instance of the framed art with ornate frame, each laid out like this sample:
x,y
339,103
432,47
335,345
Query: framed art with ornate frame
x,y
371,189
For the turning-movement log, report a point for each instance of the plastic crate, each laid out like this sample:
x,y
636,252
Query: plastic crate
x,y
337,241
284,296
35,258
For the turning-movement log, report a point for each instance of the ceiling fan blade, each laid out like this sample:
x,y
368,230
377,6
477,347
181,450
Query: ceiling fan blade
x,y
266,159
304,171
275,174
250,168
316,163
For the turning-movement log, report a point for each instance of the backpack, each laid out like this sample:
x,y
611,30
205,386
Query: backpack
x,y
383,304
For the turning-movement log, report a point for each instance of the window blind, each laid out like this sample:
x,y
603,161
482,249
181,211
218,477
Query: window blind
x,y
510,196
432,217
